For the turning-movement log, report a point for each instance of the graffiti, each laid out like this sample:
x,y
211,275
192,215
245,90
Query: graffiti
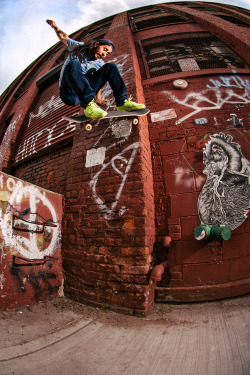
x,y
29,146
32,235
225,196
213,98
107,91
38,282
180,174
47,108
2,254
196,144
59,130
231,81
2,280
7,138
207,100
121,165
30,241
234,120
201,121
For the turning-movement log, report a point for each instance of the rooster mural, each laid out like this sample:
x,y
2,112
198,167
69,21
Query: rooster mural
x,y
225,196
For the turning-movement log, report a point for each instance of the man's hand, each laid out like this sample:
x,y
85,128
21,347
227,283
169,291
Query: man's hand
x,y
52,24
61,35
100,100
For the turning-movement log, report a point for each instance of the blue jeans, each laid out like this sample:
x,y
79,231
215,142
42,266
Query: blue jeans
x,y
77,88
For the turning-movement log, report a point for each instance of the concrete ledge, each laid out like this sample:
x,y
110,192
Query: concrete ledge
x,y
203,292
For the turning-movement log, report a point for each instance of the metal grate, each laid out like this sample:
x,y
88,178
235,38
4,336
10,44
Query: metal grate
x,y
188,52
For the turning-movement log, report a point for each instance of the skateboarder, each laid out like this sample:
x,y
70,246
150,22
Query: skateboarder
x,y
84,73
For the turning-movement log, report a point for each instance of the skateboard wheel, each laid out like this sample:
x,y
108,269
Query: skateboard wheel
x,y
135,121
88,127
180,84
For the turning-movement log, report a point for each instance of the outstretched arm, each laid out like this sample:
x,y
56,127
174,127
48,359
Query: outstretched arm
x,y
61,35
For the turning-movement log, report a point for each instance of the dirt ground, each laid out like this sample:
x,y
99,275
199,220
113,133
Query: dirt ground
x,y
210,338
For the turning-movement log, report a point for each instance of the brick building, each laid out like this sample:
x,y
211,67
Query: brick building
x,y
156,211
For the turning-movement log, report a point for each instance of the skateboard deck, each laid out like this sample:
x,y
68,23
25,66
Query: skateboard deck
x,y
83,119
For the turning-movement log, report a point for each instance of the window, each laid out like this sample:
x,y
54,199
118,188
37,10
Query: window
x,y
98,27
187,52
5,126
146,13
159,21
51,76
232,19
149,17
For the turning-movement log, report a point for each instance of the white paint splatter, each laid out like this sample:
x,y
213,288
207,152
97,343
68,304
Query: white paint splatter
x,y
28,246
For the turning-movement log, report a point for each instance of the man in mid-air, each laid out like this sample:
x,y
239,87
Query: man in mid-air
x,y
84,73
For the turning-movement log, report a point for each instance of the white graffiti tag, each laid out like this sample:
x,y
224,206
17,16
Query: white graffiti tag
x,y
47,108
28,246
207,100
48,134
218,93
231,81
7,138
120,163
117,163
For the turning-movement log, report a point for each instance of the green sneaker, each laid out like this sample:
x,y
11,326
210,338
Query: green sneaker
x,y
94,111
128,105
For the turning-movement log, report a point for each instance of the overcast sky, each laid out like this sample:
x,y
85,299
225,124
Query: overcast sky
x,y
24,34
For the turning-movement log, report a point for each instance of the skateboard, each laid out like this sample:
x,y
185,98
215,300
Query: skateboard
x,y
111,114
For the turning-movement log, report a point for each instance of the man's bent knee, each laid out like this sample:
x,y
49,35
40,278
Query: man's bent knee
x,y
110,67
74,64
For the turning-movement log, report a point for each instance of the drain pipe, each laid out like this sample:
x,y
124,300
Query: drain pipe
x,y
158,270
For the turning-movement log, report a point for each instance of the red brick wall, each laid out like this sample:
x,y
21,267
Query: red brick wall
x,y
127,188
177,153
48,171
109,213
30,233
